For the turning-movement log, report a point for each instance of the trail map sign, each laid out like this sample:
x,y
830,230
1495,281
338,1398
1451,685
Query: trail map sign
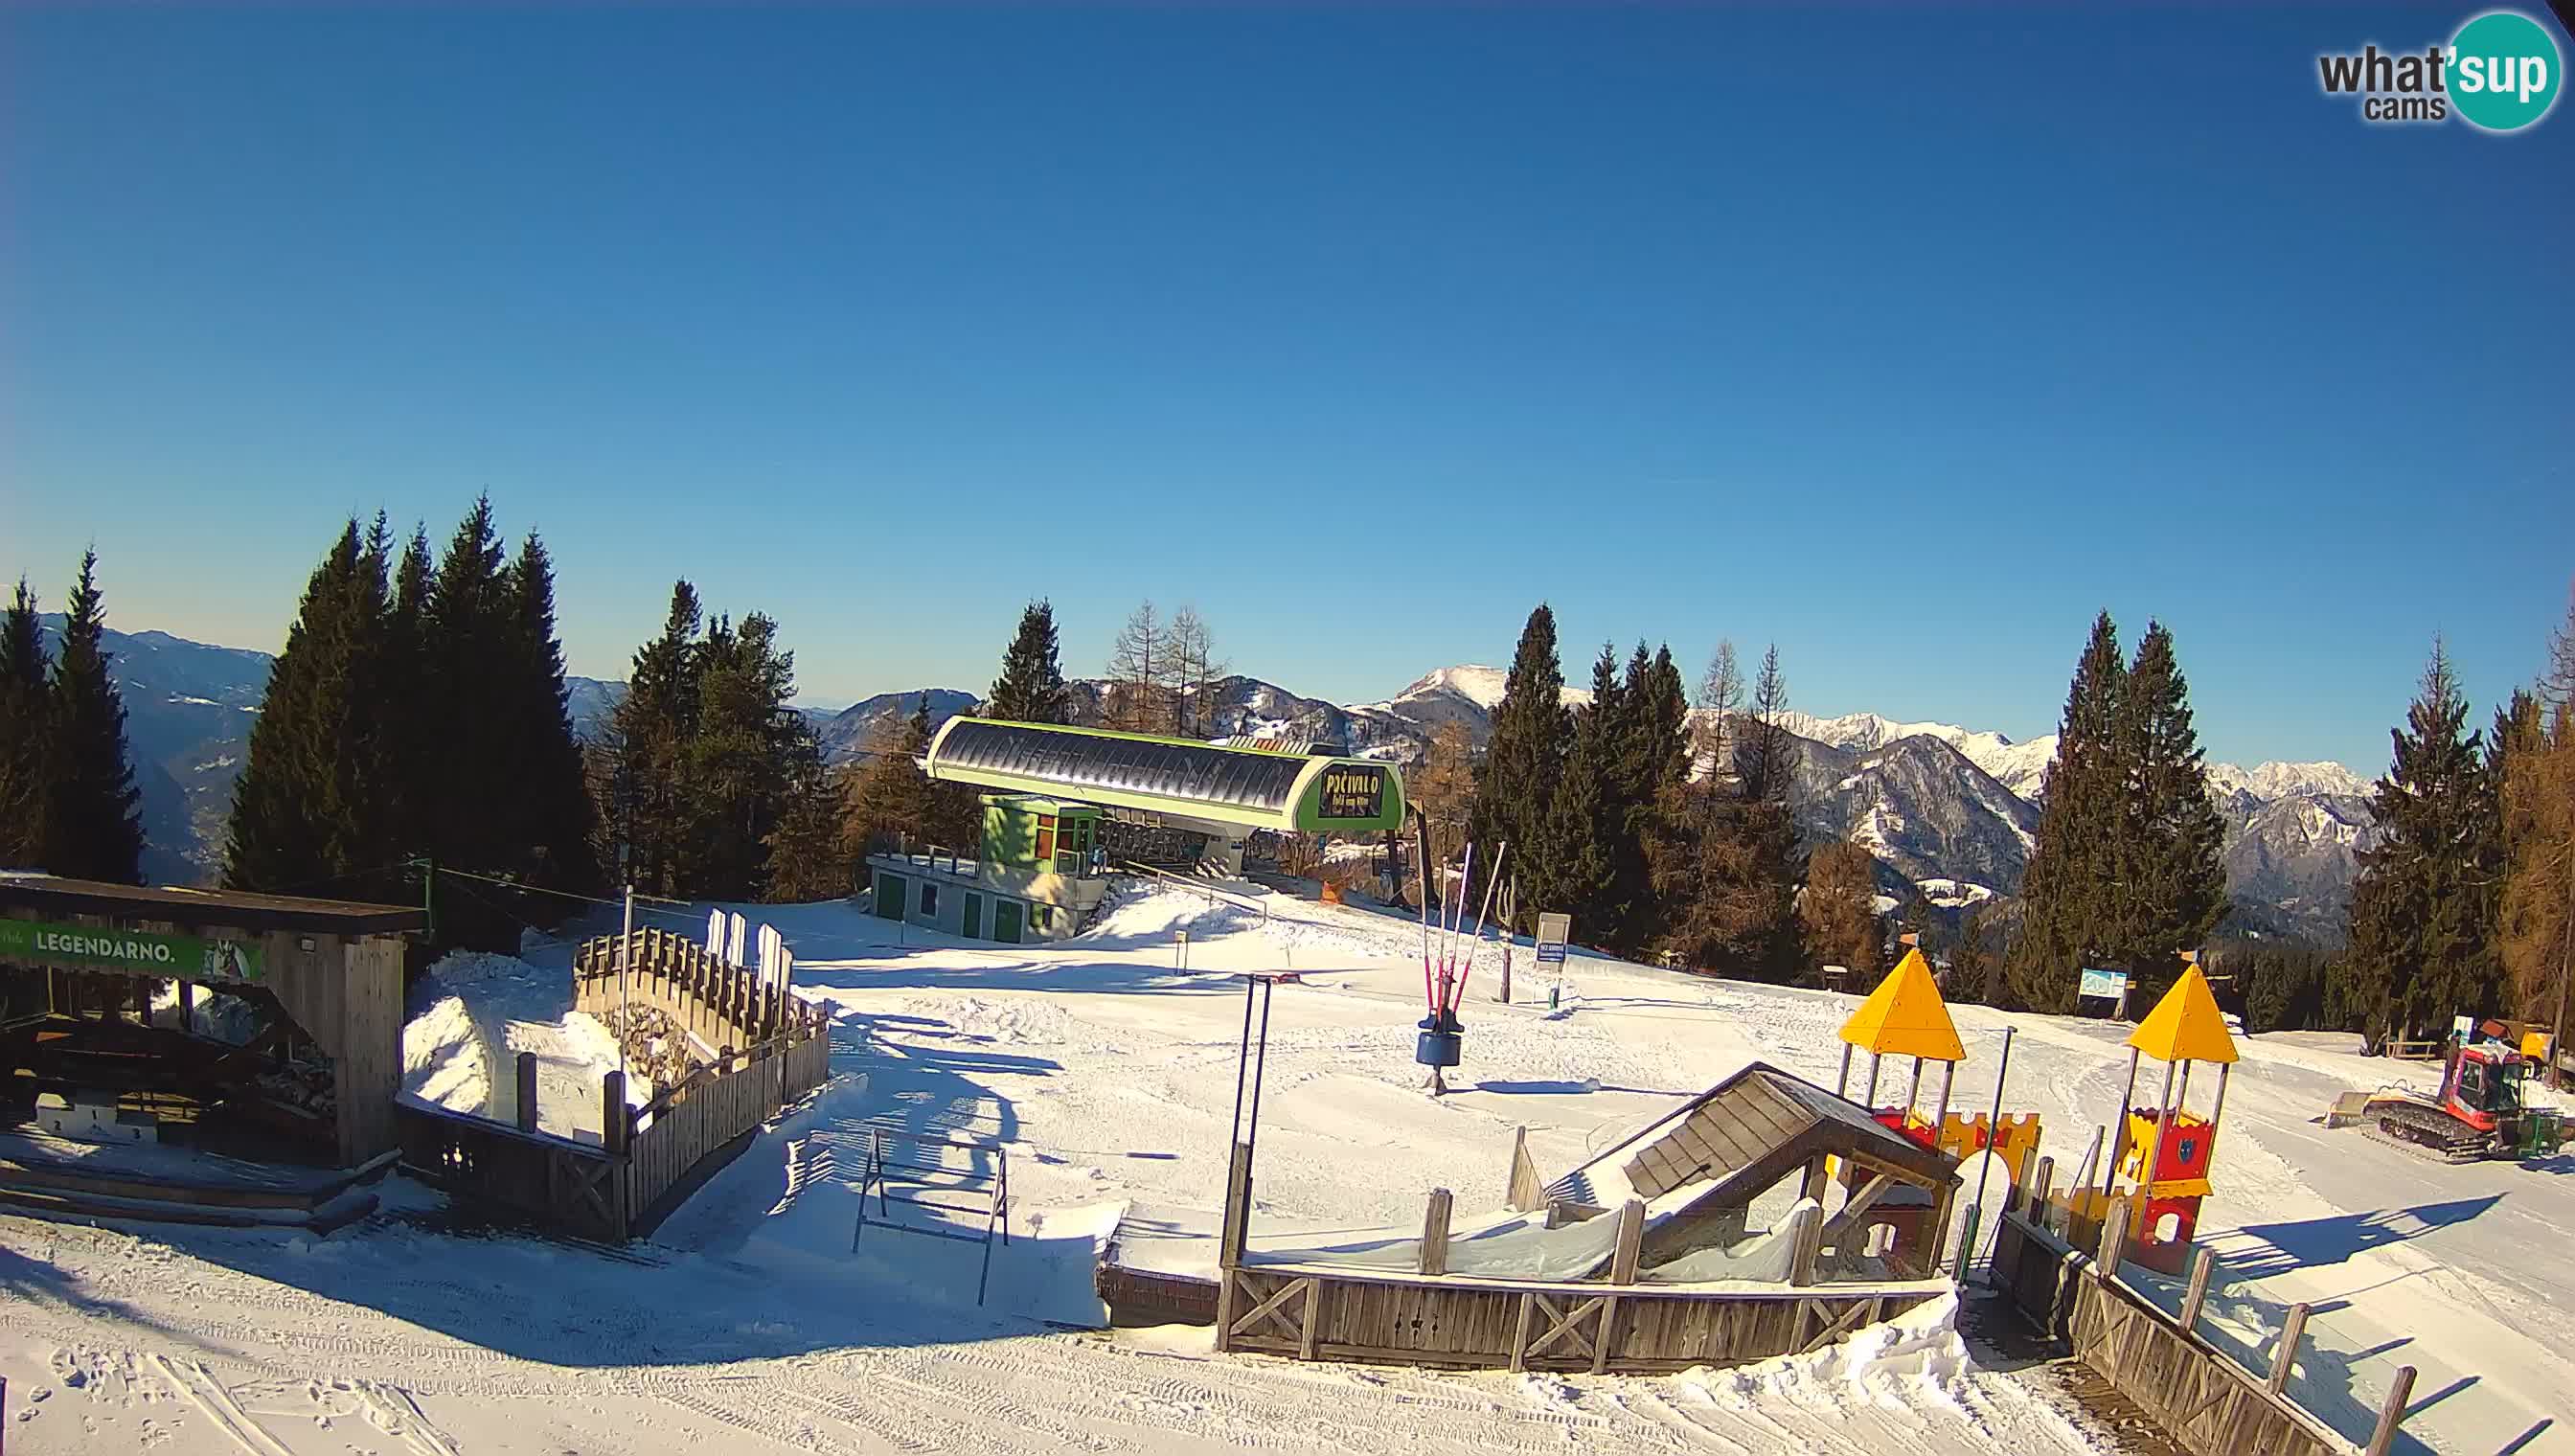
x,y
141,952
1552,932
2105,985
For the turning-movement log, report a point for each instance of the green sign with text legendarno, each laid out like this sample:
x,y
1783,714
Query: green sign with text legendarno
x,y
140,951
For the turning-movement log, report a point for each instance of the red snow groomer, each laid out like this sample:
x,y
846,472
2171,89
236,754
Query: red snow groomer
x,y
2478,1113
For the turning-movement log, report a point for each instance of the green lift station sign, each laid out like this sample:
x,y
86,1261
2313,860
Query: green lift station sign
x,y
1352,791
143,952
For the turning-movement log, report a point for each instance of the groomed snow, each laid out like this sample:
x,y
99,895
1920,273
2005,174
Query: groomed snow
x,y
748,1324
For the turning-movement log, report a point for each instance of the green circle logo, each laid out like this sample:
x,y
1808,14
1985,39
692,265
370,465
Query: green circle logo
x,y
2505,72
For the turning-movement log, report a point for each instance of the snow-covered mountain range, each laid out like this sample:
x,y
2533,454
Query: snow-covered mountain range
x,y
1938,804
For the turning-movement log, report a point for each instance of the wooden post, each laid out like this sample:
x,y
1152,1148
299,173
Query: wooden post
x,y
2034,1200
1525,1194
527,1091
2115,1239
613,1117
1811,1245
1632,1245
2202,1265
1520,1331
1434,1233
2292,1330
1813,1188
2391,1412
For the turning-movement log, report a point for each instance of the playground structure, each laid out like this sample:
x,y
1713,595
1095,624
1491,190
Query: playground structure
x,y
2156,1173
1906,1016
1645,1259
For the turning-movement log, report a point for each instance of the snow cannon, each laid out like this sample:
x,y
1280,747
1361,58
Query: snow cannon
x,y
1448,956
1904,1016
1443,1039
2165,1152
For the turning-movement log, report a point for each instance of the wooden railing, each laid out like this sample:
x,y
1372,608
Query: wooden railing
x,y
2200,1393
649,1158
721,1005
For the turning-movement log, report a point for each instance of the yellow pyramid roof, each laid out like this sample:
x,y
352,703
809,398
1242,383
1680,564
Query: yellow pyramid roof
x,y
1905,1016
2185,1025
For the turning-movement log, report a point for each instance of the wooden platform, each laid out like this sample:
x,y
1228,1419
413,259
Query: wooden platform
x,y
50,1176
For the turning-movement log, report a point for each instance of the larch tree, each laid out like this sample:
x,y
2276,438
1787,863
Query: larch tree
x,y
1444,787
1030,688
1195,671
1724,860
95,824
1141,675
1838,910
26,733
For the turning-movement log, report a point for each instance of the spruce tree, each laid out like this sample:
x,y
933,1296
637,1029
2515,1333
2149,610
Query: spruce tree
x,y
807,858
310,811
550,806
1030,688
645,797
95,827
472,702
2423,910
26,733
737,761
2067,917
1574,859
2169,871
1533,735
409,712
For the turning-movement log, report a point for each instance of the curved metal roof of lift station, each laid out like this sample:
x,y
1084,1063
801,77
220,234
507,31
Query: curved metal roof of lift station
x,y
1258,788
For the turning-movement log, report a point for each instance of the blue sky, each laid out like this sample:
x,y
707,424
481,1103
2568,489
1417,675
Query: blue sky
x,y
1906,340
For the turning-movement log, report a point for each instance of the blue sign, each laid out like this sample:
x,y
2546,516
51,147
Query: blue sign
x,y
2108,985
1552,931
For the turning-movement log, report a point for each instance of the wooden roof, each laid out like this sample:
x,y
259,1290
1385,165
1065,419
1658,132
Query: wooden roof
x,y
1746,1134
47,894
1905,1016
2185,1025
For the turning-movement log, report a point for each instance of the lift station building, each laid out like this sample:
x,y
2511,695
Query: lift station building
x,y
1066,804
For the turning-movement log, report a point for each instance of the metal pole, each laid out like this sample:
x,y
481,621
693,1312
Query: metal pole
x,y
1913,1091
1869,1098
1993,1129
1841,1081
2119,1139
625,948
2163,1131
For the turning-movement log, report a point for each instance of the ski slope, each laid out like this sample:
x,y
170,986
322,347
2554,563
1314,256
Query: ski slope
x,y
748,1324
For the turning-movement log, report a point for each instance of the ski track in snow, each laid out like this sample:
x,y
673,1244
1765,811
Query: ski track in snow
x,y
748,1324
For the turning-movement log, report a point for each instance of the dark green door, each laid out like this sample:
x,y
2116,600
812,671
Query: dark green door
x,y
890,893
1005,921
974,928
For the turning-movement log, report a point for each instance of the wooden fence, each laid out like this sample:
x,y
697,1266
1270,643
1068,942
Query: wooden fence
x,y
1389,1317
724,1007
2195,1390
649,1158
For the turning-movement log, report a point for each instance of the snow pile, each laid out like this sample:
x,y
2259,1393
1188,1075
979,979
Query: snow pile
x,y
473,1013
1915,1353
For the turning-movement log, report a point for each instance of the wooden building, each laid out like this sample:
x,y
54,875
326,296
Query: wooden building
x,y
80,961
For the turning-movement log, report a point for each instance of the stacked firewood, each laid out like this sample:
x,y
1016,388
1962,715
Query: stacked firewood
x,y
656,1045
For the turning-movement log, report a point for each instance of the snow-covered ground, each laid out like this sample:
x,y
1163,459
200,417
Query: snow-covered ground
x,y
750,1324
